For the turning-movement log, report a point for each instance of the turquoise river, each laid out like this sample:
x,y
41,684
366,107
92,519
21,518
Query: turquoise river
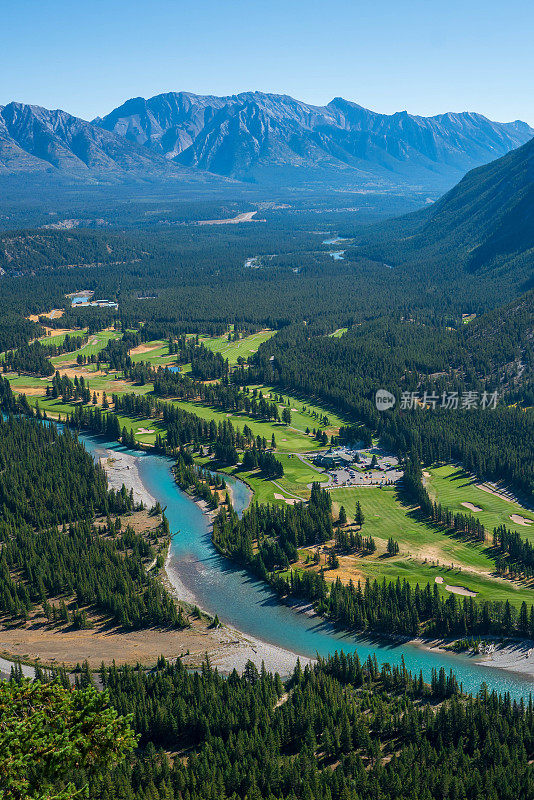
x,y
248,605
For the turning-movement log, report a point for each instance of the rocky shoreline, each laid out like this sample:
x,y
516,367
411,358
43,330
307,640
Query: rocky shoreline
x,y
226,647
121,468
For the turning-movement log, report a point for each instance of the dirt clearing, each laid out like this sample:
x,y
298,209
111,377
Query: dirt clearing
x,y
144,348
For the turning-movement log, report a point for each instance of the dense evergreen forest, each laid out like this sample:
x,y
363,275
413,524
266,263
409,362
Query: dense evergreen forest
x,y
337,730
51,550
48,478
102,567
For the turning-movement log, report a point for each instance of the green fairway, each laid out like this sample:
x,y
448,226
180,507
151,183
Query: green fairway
x,y
297,475
305,413
154,352
288,440
427,550
385,516
293,485
96,343
264,489
55,407
233,350
59,338
451,486
415,572
19,383
339,332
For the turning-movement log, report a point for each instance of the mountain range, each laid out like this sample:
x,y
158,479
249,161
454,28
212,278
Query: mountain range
x,y
36,140
260,138
267,138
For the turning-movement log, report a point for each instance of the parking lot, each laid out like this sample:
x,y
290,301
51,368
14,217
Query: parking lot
x,y
371,467
349,477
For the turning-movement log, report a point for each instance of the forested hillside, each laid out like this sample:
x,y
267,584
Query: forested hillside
x,y
480,230
338,730
47,479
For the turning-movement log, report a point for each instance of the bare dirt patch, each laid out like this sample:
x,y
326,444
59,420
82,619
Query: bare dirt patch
x,y
58,331
143,348
246,217
38,640
347,571
73,370
56,313
29,390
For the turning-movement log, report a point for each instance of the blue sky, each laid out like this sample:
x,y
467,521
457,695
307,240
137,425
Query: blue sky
x,y
88,56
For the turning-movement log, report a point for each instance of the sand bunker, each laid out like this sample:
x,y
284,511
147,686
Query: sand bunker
x,y
519,520
146,430
471,507
292,502
461,590
279,496
456,589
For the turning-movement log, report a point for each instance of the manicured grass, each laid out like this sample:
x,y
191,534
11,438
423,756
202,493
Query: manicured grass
x,y
275,491
96,343
158,355
21,382
264,489
305,413
415,572
59,338
233,350
287,439
427,550
451,486
339,332
386,515
297,475
55,407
